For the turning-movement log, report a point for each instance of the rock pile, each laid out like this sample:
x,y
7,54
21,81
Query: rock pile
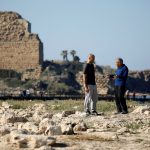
x,y
104,84
35,128
137,81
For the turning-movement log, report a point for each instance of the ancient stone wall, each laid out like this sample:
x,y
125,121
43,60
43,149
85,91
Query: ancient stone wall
x,y
137,82
104,84
19,48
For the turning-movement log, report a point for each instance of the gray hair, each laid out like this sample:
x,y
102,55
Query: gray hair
x,y
120,60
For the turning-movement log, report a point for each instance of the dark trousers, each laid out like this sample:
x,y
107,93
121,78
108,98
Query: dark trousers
x,y
120,99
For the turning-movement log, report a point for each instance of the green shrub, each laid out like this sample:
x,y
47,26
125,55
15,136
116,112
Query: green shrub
x,y
13,82
28,84
60,88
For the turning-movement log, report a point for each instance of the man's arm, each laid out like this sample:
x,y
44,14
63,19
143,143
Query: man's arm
x,y
123,75
85,82
85,71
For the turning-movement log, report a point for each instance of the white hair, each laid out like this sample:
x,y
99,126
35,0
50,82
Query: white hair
x,y
91,55
120,60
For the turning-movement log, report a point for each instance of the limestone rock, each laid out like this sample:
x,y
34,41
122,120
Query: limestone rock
x,y
147,112
106,125
67,129
147,130
4,130
81,126
53,130
40,112
36,141
105,135
30,141
45,124
44,148
72,131
6,105
37,117
122,130
66,113
47,115
90,130
141,109
11,118
29,126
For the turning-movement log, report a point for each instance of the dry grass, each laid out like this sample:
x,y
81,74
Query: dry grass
x,y
61,105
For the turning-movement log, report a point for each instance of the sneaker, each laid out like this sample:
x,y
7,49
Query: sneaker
x,y
87,113
94,113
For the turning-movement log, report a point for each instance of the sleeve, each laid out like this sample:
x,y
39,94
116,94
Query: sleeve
x,y
85,69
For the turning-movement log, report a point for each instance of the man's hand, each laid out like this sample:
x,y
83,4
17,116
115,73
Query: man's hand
x,y
117,76
111,76
86,88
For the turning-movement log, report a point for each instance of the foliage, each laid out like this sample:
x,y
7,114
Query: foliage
x,y
28,84
64,53
133,126
73,53
13,82
76,58
60,88
9,74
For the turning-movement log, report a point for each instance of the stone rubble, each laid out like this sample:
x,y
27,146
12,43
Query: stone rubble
x,y
19,129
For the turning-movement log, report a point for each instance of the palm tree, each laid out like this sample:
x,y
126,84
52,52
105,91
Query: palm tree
x,y
73,53
64,53
76,59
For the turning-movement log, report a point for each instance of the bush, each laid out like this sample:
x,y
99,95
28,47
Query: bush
x,y
9,74
60,88
13,82
28,84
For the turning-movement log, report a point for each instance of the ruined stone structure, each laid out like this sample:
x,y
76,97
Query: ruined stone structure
x,y
104,84
137,82
20,50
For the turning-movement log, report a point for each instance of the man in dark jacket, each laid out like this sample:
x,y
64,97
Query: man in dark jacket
x,y
120,86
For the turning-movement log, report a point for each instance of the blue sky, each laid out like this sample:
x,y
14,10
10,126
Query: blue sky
x,y
107,28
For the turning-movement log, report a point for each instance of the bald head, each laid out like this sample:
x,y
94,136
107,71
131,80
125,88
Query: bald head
x,y
119,62
91,58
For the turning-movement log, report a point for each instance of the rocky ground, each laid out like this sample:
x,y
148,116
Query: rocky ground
x,y
35,128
